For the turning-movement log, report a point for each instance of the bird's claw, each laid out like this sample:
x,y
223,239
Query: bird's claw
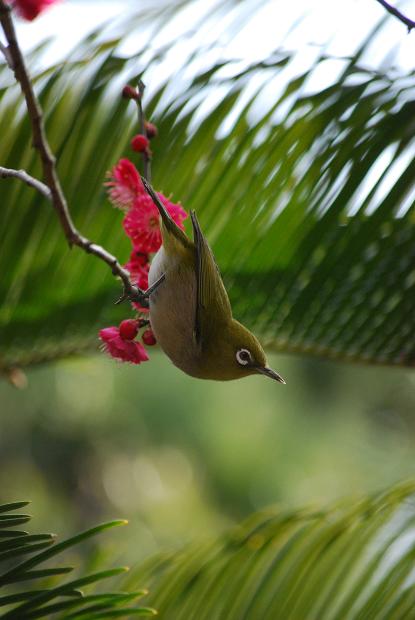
x,y
139,296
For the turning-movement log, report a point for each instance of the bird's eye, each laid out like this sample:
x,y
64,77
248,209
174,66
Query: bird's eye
x,y
243,357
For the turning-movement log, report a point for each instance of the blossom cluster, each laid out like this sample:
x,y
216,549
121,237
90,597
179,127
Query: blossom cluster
x,y
141,223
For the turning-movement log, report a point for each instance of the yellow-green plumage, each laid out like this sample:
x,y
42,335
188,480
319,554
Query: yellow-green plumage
x,y
190,312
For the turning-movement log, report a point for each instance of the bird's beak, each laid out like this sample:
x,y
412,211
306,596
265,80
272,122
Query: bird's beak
x,y
268,372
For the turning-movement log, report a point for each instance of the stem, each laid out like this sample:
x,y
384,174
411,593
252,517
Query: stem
x,y
5,51
409,23
26,178
142,126
53,189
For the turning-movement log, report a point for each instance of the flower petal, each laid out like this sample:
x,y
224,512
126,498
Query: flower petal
x,y
124,350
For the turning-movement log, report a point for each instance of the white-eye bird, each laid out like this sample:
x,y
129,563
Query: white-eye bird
x,y
190,312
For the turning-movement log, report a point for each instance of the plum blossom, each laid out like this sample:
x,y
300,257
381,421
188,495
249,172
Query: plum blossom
x,y
142,222
121,349
30,9
125,185
142,225
138,267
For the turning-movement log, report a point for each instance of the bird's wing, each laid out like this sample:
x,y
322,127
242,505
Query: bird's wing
x,y
212,301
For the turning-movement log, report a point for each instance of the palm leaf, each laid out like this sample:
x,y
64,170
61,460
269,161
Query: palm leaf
x,y
352,560
306,197
64,600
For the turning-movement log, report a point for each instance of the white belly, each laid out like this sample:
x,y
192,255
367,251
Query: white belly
x,y
172,310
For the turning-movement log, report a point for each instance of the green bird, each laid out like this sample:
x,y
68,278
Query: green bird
x,y
190,312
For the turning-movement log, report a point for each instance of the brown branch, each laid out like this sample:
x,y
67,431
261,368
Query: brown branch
x,y
55,194
5,51
142,124
409,23
26,178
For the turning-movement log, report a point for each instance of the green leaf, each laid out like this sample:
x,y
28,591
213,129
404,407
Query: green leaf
x,y
18,541
12,520
66,596
116,613
48,595
12,553
105,601
34,574
352,560
23,596
306,197
58,548
12,506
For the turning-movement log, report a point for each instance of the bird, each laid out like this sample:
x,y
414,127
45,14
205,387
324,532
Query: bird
x,y
189,308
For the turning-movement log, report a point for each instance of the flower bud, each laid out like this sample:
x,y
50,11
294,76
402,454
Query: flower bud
x,y
151,130
129,92
148,338
139,143
128,329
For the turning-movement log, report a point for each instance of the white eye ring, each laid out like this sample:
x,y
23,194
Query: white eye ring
x,y
243,357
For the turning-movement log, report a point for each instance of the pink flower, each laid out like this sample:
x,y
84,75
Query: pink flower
x,y
120,349
142,222
125,185
30,9
176,211
138,268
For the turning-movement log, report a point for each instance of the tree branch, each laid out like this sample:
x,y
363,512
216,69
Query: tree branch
x,y
409,23
53,189
26,178
5,51
142,125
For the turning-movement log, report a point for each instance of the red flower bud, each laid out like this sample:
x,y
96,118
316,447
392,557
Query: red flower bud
x,y
148,338
139,143
30,9
129,92
128,329
151,130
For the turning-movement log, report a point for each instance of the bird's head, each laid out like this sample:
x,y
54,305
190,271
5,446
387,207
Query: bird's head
x,y
236,353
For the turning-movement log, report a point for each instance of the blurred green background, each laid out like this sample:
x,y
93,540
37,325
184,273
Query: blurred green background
x,y
90,439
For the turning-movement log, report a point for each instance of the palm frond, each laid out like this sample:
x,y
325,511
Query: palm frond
x,y
307,197
352,560
64,600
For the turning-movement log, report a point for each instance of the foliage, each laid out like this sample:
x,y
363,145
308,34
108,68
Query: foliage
x,y
306,196
350,561
64,600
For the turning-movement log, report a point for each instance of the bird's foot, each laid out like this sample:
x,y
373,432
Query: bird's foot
x,y
139,296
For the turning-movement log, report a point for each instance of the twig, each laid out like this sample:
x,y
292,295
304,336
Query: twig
x,y
5,51
53,190
142,125
26,178
409,23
